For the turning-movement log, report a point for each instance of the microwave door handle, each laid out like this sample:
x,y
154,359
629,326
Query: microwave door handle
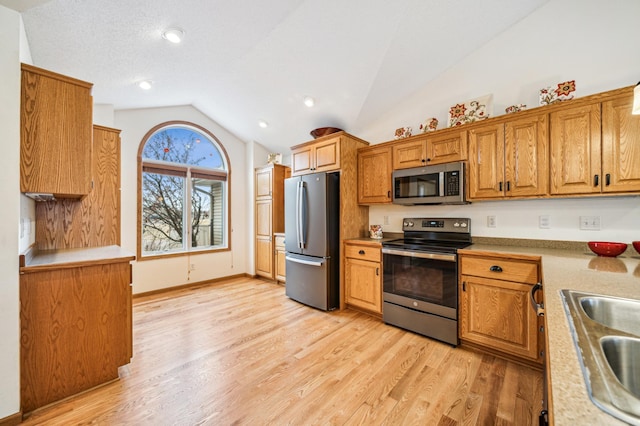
x,y
441,184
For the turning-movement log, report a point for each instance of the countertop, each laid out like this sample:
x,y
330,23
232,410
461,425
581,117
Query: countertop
x,y
35,261
577,269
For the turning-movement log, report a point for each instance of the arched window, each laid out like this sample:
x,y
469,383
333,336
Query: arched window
x,y
183,189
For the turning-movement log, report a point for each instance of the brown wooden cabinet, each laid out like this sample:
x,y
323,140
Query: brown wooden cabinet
x,y
374,175
431,148
363,276
269,211
93,221
322,155
495,308
280,259
55,138
76,328
595,147
509,159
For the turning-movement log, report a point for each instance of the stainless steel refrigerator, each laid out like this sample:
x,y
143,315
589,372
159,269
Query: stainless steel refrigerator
x,y
312,233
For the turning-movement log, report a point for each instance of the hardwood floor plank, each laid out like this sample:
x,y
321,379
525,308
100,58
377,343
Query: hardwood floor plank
x,y
241,352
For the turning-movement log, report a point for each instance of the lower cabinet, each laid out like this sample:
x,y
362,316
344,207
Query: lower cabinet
x,y
76,330
363,275
495,308
280,261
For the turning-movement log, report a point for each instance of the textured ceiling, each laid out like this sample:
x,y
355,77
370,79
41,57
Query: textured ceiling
x,y
248,60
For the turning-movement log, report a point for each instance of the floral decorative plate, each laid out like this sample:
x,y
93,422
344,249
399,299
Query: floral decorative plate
x,y
403,132
559,92
470,111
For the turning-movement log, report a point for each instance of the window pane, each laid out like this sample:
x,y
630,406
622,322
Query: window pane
x,y
183,146
207,213
162,213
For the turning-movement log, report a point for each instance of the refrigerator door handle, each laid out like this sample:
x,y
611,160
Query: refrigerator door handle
x,y
302,215
304,262
298,215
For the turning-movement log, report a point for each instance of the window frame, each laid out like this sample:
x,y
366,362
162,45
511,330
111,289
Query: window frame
x,y
188,251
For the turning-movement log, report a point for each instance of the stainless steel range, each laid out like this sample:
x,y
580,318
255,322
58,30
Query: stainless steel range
x,y
420,276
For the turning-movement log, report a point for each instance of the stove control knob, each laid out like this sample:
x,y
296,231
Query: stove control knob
x,y
410,224
463,224
456,225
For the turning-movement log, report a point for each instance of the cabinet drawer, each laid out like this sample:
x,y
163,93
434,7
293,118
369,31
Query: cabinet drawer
x,y
521,271
279,242
362,252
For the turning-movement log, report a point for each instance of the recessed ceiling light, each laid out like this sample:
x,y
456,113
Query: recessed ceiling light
x,y
174,35
309,101
145,84
263,124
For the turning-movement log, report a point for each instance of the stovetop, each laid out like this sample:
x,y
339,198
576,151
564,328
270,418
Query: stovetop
x,y
445,235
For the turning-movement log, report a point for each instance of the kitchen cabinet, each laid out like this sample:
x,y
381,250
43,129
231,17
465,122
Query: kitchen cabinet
x,y
495,308
444,146
509,159
595,147
75,322
322,155
269,211
374,175
55,134
280,261
363,276
94,220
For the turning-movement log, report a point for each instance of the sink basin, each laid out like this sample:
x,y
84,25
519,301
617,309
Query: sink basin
x,y
606,333
623,356
613,312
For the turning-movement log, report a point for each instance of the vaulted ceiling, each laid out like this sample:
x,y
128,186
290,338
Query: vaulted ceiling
x,y
244,61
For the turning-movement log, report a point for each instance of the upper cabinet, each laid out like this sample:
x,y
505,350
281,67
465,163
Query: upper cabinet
x,y
595,147
315,157
509,159
437,148
56,134
374,175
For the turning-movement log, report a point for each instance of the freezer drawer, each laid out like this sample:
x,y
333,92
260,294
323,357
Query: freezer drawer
x,y
310,280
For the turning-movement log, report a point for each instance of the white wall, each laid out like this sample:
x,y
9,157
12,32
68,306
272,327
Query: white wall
x,y
152,275
591,41
10,194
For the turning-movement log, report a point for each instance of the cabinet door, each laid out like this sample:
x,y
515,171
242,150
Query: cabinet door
x,y
264,179
575,150
363,287
280,262
526,158
374,175
326,155
486,162
497,314
447,147
620,146
409,154
264,257
301,161
56,133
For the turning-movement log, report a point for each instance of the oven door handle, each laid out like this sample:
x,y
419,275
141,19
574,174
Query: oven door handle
x,y
447,257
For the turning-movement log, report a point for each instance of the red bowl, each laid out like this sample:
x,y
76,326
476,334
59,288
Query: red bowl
x,y
636,245
602,248
324,131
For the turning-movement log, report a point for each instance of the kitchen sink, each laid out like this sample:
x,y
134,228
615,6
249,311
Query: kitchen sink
x,y
606,332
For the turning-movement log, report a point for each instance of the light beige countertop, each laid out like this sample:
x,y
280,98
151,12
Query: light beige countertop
x,y
575,268
35,261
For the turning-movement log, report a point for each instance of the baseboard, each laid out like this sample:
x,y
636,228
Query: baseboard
x,y
186,286
12,420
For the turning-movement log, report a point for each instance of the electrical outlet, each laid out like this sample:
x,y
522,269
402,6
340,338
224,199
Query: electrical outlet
x,y
543,221
590,223
192,267
386,220
491,221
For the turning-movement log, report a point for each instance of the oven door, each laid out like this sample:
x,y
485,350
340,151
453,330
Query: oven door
x,y
426,282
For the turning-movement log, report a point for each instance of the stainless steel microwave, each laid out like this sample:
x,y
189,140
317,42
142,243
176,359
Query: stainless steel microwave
x,y
438,184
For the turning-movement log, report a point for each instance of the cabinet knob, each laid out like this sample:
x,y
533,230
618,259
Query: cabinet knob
x,y
495,268
361,252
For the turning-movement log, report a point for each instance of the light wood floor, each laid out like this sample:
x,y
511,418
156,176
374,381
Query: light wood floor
x,y
241,352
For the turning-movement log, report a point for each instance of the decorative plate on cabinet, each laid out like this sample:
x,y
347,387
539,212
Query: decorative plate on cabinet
x,y
559,92
470,111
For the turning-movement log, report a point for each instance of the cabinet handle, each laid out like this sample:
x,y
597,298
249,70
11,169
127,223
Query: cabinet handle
x,y
538,307
361,252
495,268
508,185
377,272
428,159
607,179
464,286
500,186
596,180
388,194
423,160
